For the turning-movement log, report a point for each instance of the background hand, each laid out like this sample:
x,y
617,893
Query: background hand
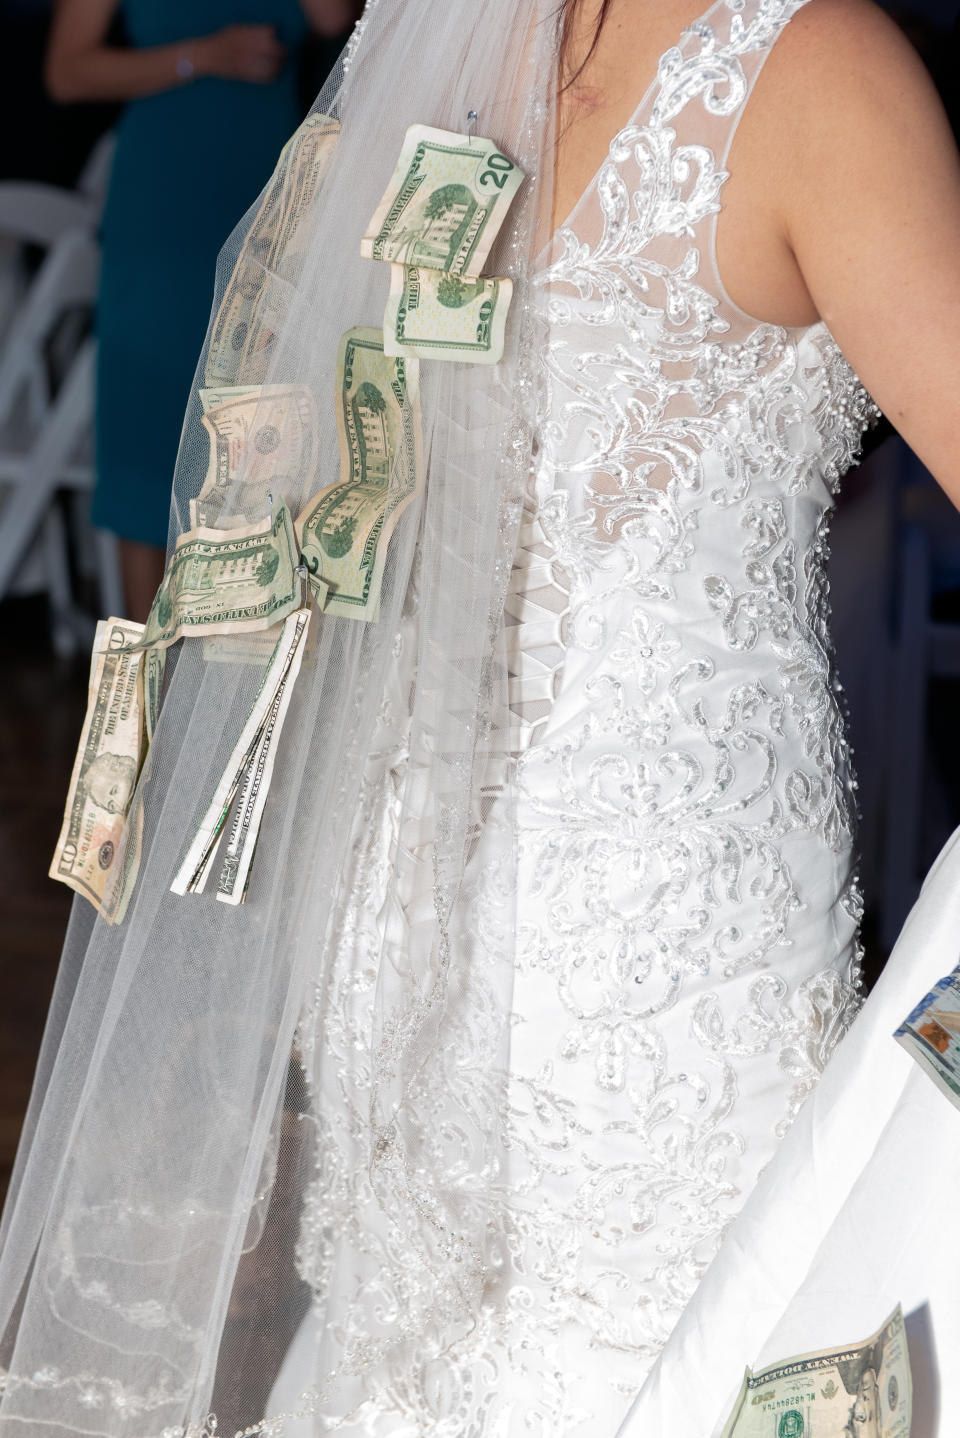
x,y
241,52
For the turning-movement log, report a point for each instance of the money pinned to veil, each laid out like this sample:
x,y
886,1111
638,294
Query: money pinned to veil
x,y
246,566
254,304
232,586
446,201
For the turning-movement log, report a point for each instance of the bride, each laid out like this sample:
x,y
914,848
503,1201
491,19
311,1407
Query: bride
x,y
497,1108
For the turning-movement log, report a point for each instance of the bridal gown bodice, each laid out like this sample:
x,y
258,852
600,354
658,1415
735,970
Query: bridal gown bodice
x,y
686,905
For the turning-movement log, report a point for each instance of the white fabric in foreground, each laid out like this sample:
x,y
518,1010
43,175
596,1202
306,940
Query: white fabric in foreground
x,y
856,1212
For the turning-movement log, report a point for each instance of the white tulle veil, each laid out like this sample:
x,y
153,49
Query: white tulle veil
x,y
232,1121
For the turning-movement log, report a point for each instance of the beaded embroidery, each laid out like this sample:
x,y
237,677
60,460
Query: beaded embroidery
x,y
686,908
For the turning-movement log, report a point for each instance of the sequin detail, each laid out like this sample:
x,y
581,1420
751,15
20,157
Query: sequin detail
x,y
686,908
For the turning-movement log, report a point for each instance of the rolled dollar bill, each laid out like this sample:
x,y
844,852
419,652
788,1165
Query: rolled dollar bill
x,y
237,649
262,438
863,1390
108,761
344,530
239,776
931,1034
254,787
257,294
445,202
436,315
230,581
154,663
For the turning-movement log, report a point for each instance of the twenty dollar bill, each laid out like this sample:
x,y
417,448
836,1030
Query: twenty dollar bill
x,y
445,202
436,315
230,581
344,530
931,1034
864,1389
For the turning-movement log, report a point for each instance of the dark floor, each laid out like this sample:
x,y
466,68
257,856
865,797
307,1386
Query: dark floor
x,y
41,711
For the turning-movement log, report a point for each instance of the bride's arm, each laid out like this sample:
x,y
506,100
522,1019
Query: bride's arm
x,y
872,212
81,65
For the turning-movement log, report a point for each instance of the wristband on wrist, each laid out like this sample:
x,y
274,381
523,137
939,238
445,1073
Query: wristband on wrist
x,y
185,66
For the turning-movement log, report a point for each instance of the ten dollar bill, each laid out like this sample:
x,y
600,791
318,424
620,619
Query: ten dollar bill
x,y
865,1389
107,763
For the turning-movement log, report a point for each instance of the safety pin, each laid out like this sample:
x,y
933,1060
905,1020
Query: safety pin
x,y
472,118
303,574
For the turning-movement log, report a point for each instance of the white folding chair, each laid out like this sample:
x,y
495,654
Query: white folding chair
x,y
94,178
65,281
45,428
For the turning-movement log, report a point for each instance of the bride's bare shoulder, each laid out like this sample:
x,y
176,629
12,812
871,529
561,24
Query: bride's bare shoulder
x,y
846,116
868,196
838,59
823,24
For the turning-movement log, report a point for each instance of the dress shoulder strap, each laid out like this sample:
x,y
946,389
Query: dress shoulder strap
x,y
654,202
718,59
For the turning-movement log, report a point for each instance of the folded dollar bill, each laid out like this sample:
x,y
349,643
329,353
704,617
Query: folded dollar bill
x,y
152,670
230,581
445,202
243,788
244,829
863,1390
344,530
255,301
262,440
931,1034
437,315
108,762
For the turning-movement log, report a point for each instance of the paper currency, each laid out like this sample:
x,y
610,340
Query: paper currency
x,y
864,1390
122,881
262,440
344,530
154,663
247,775
235,649
107,764
230,581
931,1034
255,785
436,315
258,292
445,202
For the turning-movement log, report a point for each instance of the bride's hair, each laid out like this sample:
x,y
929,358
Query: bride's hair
x,y
567,14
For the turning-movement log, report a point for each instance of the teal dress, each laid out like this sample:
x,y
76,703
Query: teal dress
x,y
189,162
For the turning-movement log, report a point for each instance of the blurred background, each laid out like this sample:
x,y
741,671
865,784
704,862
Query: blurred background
x,y
111,216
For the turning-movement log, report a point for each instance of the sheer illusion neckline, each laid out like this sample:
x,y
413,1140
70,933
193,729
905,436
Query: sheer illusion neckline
x,y
646,97
693,30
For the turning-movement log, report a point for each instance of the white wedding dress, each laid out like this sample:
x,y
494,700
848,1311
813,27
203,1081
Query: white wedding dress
x,y
686,905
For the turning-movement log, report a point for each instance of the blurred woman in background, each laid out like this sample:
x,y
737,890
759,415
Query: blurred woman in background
x,y
213,92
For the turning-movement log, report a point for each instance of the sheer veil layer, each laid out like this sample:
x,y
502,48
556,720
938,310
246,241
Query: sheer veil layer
x,y
245,1114
193,1084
